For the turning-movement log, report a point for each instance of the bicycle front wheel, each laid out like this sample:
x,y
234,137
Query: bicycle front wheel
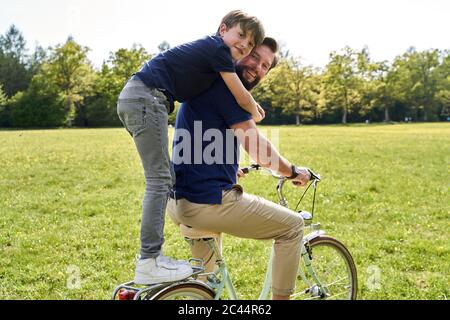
x,y
333,273
185,291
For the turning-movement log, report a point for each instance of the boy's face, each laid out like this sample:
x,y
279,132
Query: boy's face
x,y
240,44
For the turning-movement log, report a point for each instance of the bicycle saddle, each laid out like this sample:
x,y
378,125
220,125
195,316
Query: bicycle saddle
x,y
192,233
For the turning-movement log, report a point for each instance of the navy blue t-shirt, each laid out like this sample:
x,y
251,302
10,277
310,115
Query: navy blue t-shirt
x,y
201,137
187,70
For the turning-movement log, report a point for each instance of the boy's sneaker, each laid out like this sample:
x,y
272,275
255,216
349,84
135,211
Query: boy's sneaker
x,y
160,269
168,259
176,262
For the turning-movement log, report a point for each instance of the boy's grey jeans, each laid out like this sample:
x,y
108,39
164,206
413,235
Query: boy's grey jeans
x,y
143,112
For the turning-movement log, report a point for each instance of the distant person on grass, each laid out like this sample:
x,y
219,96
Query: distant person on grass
x,y
206,196
179,74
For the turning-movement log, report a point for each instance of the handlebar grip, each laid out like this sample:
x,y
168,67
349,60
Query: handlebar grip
x,y
313,175
253,167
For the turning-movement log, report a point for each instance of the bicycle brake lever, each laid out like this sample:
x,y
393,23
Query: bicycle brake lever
x,y
314,176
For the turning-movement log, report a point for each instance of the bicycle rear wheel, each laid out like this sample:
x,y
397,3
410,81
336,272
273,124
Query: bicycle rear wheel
x,y
335,269
185,291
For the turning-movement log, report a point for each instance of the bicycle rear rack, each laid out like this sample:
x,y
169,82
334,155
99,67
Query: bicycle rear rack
x,y
141,290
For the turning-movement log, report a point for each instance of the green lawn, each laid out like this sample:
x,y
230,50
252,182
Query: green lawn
x,y
70,202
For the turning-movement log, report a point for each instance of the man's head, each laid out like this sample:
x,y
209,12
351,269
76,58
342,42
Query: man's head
x,y
253,68
241,33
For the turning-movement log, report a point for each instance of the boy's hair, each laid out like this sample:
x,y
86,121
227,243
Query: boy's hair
x,y
247,23
272,44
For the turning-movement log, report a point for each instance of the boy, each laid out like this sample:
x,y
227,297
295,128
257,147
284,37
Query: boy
x,y
178,74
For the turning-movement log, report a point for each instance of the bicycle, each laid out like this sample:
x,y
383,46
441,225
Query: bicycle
x,y
326,269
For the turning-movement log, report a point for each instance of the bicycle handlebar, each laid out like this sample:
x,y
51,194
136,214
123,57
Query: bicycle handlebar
x,y
315,178
253,167
256,167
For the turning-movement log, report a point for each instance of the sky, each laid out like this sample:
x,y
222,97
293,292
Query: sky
x,y
311,29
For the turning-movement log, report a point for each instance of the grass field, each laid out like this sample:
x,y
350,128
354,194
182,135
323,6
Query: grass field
x,y
70,209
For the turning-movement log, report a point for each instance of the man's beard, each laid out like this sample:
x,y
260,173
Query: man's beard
x,y
248,85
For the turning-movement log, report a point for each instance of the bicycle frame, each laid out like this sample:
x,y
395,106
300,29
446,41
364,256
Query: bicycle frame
x,y
226,282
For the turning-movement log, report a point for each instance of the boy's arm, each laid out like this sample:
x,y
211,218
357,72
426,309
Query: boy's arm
x,y
242,96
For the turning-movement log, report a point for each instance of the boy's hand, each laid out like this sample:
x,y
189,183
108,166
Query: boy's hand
x,y
261,111
261,114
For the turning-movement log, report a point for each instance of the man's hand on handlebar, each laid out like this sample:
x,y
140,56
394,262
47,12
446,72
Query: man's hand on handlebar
x,y
240,174
304,176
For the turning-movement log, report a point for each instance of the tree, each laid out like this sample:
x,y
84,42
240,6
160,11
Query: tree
x,y
424,66
378,87
4,114
419,75
341,85
69,70
378,93
13,44
40,105
294,88
443,86
36,60
3,98
100,107
14,75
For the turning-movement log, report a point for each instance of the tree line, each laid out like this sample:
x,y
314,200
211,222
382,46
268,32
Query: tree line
x,y
58,86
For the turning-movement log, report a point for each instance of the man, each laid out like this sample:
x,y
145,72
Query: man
x,y
206,195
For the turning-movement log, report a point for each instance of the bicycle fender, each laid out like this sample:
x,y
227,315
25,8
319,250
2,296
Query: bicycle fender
x,y
313,235
181,282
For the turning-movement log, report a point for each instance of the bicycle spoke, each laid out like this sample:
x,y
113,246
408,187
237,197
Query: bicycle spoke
x,y
314,298
337,281
333,263
337,294
295,295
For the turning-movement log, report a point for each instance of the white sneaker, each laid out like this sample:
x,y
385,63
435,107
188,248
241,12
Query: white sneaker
x,y
160,269
168,260
173,261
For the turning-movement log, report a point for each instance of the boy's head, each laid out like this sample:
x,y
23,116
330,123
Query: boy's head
x,y
241,33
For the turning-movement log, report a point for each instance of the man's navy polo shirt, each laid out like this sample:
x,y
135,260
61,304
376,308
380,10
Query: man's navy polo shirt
x,y
199,181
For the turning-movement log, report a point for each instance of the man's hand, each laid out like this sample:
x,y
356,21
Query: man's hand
x,y
240,174
303,177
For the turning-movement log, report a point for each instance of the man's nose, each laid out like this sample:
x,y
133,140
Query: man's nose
x,y
258,68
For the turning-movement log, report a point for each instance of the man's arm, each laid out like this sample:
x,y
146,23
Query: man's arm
x,y
263,152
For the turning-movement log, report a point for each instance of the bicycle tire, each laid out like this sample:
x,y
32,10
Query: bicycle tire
x,y
185,291
320,249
